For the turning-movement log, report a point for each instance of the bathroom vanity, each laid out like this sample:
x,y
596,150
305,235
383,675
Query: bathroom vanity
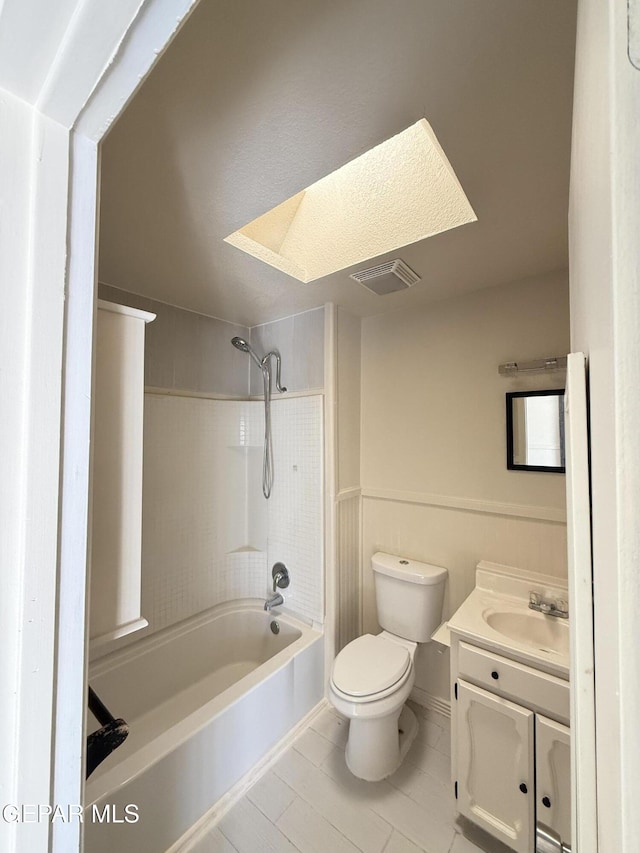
x,y
510,709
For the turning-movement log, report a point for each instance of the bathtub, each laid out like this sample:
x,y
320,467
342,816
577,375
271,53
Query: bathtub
x,y
205,701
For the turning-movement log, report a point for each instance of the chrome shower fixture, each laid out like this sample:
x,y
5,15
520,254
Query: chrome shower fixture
x,y
265,366
243,346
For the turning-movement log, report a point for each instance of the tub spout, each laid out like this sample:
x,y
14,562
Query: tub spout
x,y
274,601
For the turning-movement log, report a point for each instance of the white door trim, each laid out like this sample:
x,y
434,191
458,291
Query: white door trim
x,y
147,36
103,54
583,731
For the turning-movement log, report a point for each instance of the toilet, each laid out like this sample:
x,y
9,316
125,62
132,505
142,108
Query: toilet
x,y
372,676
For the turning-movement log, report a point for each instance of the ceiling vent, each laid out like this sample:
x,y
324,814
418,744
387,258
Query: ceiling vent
x,y
386,278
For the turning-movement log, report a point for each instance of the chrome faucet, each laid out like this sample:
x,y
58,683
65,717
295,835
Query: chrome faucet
x,y
275,601
280,575
549,607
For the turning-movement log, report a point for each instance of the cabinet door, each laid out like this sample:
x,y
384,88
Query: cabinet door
x,y
553,777
495,772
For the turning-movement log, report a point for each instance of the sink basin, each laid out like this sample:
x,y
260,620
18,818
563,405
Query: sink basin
x,y
544,633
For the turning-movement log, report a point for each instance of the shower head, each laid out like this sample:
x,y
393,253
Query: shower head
x,y
265,367
243,346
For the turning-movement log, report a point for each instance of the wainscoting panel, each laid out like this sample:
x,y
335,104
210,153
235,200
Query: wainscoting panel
x,y
348,566
456,538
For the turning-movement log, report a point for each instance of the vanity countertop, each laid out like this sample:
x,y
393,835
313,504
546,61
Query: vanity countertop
x,y
497,617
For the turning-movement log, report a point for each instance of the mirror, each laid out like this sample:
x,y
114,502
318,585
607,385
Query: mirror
x,y
535,431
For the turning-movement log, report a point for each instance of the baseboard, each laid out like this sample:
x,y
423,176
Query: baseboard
x,y
219,809
432,703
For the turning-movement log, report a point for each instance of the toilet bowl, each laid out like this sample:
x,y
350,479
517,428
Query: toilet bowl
x,y
372,677
371,680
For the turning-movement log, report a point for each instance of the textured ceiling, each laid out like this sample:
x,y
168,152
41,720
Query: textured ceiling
x,y
254,101
399,192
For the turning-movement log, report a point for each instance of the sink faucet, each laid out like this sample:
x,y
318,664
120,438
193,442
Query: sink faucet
x,y
274,601
549,607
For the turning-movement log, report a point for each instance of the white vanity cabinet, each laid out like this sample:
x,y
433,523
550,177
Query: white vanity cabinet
x,y
495,773
510,752
553,776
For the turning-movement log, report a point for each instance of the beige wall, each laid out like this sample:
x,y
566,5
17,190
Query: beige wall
x,y
348,397
185,351
300,341
434,476
433,416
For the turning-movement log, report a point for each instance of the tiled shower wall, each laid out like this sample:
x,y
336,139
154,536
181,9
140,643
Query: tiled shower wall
x,y
209,535
295,509
204,541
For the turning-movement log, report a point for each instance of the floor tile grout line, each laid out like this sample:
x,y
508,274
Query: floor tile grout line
x,y
406,793
275,823
364,806
388,841
453,841
367,807
402,835
332,742
444,794
381,817
323,817
220,830
371,807
262,812
444,785
421,769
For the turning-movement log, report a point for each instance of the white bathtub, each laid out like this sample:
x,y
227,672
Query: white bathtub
x,y
204,701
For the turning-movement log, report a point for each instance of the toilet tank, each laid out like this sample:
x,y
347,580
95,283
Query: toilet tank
x,y
409,596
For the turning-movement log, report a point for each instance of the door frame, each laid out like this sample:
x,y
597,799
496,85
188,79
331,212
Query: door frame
x,y
98,59
146,36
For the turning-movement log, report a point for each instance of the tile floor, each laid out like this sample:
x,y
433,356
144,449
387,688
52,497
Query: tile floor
x,y
308,802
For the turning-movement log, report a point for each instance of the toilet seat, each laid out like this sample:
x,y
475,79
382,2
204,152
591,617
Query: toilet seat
x,y
370,666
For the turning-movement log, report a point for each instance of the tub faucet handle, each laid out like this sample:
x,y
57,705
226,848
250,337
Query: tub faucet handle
x,y
280,575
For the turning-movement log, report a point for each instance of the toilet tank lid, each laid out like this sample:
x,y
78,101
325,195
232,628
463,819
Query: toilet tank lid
x,y
408,570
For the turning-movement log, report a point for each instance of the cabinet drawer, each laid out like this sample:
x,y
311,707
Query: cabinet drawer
x,y
537,690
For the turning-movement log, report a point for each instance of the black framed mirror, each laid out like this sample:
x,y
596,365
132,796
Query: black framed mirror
x,y
535,431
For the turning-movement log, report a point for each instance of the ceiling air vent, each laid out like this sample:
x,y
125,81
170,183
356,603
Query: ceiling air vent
x,y
386,278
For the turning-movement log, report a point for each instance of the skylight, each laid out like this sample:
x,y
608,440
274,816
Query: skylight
x,y
399,192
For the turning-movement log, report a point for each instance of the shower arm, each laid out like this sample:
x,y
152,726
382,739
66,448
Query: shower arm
x,y
264,363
